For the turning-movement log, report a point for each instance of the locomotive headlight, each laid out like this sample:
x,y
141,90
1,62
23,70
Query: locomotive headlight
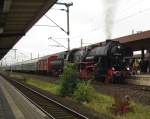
x,y
128,68
113,68
118,47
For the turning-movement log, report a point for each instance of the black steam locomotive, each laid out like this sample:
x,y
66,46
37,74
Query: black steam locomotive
x,y
106,61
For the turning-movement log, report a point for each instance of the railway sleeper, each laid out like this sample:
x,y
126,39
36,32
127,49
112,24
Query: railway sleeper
x,y
65,117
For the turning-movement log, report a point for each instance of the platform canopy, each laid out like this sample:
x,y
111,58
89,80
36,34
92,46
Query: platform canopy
x,y
17,17
137,41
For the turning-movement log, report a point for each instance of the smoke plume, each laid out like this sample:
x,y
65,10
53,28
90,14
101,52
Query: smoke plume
x,y
109,14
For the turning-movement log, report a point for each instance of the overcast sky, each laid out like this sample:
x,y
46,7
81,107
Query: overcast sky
x,y
87,22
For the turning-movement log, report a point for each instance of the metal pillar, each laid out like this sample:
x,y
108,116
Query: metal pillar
x,y
68,25
31,56
81,43
142,54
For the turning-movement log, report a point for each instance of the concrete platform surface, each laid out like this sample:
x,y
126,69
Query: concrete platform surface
x,y
140,79
13,105
5,110
143,75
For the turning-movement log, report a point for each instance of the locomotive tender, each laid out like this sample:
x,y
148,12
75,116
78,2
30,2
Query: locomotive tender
x,y
103,61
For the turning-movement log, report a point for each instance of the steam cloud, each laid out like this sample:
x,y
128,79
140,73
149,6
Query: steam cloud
x,y
109,12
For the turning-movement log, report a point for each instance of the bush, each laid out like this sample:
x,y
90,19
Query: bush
x,y
69,80
84,92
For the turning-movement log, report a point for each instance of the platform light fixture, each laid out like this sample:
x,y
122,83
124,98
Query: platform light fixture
x,y
7,4
1,30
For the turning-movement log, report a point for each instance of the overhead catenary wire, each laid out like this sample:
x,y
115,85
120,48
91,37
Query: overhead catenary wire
x,y
45,25
55,24
115,22
131,6
61,45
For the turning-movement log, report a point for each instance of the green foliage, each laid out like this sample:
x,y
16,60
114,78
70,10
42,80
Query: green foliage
x,y
47,86
69,80
84,92
100,103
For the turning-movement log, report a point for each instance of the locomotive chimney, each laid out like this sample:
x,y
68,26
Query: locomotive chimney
x,y
108,40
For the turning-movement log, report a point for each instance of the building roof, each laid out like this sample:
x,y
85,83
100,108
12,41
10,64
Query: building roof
x,y
17,17
136,41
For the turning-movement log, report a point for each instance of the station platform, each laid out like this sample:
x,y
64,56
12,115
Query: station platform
x,y
141,79
13,105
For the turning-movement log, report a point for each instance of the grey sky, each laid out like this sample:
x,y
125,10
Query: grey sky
x,y
86,22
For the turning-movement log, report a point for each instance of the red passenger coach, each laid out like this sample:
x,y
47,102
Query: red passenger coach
x,y
51,65
45,65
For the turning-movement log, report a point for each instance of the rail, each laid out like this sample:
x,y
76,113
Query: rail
x,y
52,108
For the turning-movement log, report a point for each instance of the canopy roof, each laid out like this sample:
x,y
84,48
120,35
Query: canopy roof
x,y
136,41
17,17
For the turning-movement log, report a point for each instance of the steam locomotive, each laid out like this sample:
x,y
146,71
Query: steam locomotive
x,y
104,61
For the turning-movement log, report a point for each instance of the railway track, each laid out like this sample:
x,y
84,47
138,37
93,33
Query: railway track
x,y
124,86
52,108
55,79
134,87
